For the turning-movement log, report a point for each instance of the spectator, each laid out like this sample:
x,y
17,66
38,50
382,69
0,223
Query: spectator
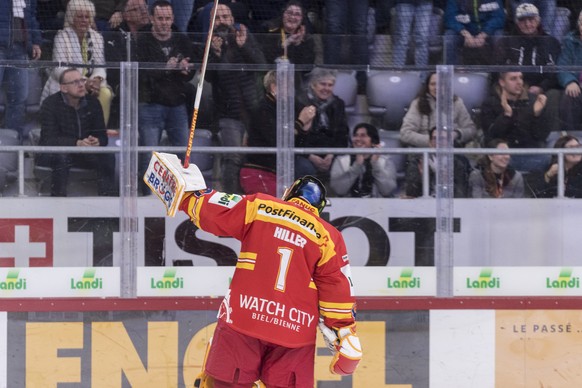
x,y
494,177
287,37
414,170
511,113
529,45
162,92
108,14
363,175
472,24
79,43
135,17
258,173
544,184
292,260
72,117
326,125
571,104
409,13
347,17
19,35
182,10
234,92
547,11
421,117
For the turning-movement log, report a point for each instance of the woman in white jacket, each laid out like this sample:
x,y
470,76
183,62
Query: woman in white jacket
x,y
421,117
363,175
79,43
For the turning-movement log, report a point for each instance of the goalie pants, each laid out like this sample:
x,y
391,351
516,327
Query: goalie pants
x,y
239,358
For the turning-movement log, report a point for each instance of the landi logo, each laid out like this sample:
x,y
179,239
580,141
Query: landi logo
x,y
406,280
485,280
169,281
88,282
26,242
564,280
12,281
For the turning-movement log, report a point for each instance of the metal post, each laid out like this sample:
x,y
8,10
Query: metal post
x,y
444,182
127,178
285,124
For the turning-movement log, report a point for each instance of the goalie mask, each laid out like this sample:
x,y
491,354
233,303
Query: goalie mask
x,y
309,189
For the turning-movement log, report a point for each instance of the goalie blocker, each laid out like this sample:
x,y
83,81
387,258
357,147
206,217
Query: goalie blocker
x,y
345,346
169,180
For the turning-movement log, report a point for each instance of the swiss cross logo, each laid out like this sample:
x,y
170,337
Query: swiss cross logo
x,y
26,242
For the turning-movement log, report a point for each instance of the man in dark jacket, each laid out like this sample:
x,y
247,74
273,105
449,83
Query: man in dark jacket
x,y
73,118
19,38
163,92
235,92
513,114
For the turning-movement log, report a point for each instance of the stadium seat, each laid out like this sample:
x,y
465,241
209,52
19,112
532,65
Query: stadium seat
x,y
8,160
389,96
472,88
346,88
562,22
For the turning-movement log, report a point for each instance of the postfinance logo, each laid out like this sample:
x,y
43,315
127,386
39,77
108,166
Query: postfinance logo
x,y
485,280
88,282
564,280
406,280
13,282
168,282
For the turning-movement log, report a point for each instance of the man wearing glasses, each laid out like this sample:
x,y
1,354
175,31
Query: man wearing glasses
x,y
71,117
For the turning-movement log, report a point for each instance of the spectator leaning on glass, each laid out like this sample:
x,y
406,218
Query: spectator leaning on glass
x,y
328,128
71,118
421,117
363,175
79,43
511,113
544,184
571,104
494,177
19,38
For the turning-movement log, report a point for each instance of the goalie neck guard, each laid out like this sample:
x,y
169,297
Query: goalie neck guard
x,y
309,189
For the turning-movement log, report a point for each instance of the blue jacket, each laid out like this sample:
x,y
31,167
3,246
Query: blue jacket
x,y
571,56
474,16
30,22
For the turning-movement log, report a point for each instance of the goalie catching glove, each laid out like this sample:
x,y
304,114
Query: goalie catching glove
x,y
345,347
169,180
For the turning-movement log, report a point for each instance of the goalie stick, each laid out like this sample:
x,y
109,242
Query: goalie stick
x,y
199,86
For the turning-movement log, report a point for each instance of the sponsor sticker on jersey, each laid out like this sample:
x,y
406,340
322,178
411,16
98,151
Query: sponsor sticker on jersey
x,y
224,199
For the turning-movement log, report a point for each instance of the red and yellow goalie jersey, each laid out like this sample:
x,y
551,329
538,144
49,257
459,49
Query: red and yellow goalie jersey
x,y
292,267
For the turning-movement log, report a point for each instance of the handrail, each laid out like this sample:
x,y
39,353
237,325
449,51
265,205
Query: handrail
x,y
560,152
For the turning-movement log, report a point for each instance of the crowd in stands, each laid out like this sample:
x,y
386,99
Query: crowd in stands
x,y
522,109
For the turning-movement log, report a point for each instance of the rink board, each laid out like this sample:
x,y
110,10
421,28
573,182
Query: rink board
x,y
151,342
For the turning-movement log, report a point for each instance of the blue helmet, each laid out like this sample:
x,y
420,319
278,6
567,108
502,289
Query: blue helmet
x,y
310,189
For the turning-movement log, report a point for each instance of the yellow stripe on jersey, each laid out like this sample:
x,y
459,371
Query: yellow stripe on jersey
x,y
312,285
337,306
249,266
335,315
290,217
246,260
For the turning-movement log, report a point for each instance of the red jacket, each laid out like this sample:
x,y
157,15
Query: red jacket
x,y
292,267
